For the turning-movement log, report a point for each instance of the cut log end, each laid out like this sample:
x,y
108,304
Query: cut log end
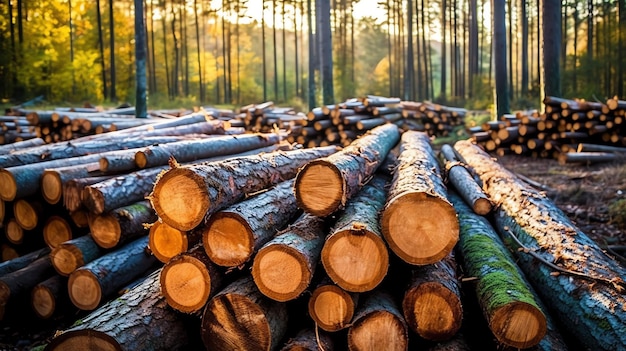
x,y
419,228
84,290
519,325
8,186
356,261
51,187
80,339
25,214
482,206
185,283
105,231
319,188
14,233
56,231
104,164
80,218
434,312
93,199
180,198
380,331
166,242
228,240
43,302
66,259
140,159
280,272
331,308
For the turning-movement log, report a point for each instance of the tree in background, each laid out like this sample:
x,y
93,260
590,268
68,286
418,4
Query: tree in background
x,y
141,107
499,48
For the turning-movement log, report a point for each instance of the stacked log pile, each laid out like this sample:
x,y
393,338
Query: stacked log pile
x,y
572,131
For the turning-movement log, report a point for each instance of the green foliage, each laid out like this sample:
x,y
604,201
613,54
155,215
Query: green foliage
x,y
617,213
482,95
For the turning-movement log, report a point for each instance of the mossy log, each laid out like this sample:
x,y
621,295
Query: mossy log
x,y
21,281
378,325
98,279
354,255
20,262
432,302
418,222
50,297
284,266
331,307
166,242
184,197
309,340
323,186
235,233
121,225
138,320
241,318
464,183
189,279
75,253
573,275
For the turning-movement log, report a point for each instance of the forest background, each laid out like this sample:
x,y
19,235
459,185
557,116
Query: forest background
x,y
235,52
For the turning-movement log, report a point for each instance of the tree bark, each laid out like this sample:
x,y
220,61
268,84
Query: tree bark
x,y
240,318
184,197
20,262
581,265
73,189
50,297
323,186
354,255
98,279
21,281
166,242
121,225
189,279
326,54
235,233
331,307
307,340
284,266
141,104
418,222
20,145
75,253
499,52
551,47
54,180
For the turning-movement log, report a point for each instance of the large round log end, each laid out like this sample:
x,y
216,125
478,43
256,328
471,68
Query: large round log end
x,y
56,231
280,272
43,302
519,324
105,230
381,330
25,214
331,308
8,186
185,283
482,206
228,239
14,232
166,242
66,259
432,311
84,290
82,339
51,187
320,188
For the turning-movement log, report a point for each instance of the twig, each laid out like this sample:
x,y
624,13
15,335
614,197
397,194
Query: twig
x,y
317,338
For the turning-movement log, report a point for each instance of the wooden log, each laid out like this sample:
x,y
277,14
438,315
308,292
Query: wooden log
x,y
53,180
331,307
583,147
98,279
50,297
14,232
234,234
418,222
545,232
21,281
28,213
189,280
121,225
166,242
378,325
241,318
323,186
57,230
373,101
183,197
137,320
464,183
284,266
13,147
587,157
80,217
73,254
72,191
309,340
12,265
354,255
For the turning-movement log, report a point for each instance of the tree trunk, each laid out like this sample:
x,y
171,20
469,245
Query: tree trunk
x,y
141,103
309,340
100,278
331,307
20,262
189,279
138,320
551,31
378,325
284,266
524,73
235,233
323,186
113,95
355,256
20,282
499,52
75,253
312,45
105,92
431,230
121,225
185,196
166,242
545,231
432,303
50,297
444,49
241,318
326,53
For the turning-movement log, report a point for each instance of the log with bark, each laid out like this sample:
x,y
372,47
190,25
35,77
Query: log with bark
x,y
75,253
418,222
323,186
54,180
241,318
13,147
354,255
574,276
189,280
20,282
20,262
138,320
73,189
50,297
184,197
284,266
92,283
166,242
59,229
378,325
331,307
28,212
121,225
309,340
234,234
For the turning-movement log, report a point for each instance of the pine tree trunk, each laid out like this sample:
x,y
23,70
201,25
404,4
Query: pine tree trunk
x,y
166,242
121,225
331,307
75,253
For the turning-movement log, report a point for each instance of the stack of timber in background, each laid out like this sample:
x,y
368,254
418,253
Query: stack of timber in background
x,y
568,130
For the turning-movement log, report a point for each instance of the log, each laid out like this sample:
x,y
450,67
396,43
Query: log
x,y
166,242
53,180
464,182
323,186
121,225
354,255
184,197
241,318
309,340
189,280
75,253
98,279
234,234
57,230
583,147
138,320
80,217
20,262
50,297
21,281
27,213
587,157
378,325
545,232
418,222
432,302
73,189
284,266
331,307
14,232
20,145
